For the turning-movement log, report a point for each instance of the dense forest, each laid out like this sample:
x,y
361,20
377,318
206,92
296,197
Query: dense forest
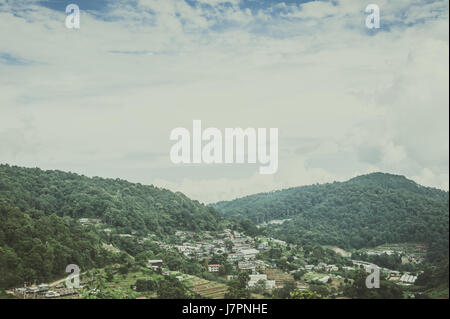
x,y
35,247
39,211
365,211
124,205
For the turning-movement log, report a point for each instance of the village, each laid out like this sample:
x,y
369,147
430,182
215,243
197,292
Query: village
x,y
269,262
246,253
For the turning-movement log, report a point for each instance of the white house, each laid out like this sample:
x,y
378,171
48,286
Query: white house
x,y
254,279
249,253
213,267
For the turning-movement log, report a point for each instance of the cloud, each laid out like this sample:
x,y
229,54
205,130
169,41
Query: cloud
x,y
102,100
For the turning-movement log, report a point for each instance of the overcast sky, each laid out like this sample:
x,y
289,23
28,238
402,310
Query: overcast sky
x,y
102,100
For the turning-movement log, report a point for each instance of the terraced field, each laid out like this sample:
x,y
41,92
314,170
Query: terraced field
x,y
280,277
205,288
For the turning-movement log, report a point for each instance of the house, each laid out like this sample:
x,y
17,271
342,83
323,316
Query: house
x,y
245,265
331,268
66,292
279,242
248,253
408,279
87,221
126,235
263,245
324,279
254,279
261,265
51,294
348,268
321,266
43,287
21,291
155,264
32,290
213,267
84,221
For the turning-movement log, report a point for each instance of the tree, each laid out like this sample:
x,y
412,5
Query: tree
x,y
359,290
146,285
109,274
259,287
304,295
285,291
229,245
299,274
225,269
171,288
237,288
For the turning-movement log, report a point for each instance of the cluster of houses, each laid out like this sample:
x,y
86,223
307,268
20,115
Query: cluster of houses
x,y
318,267
43,291
240,250
408,279
322,280
243,250
394,275
406,257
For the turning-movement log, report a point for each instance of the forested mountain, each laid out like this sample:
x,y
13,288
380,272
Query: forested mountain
x,y
365,211
40,234
35,247
124,205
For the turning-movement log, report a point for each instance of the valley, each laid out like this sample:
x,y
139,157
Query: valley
x,y
139,242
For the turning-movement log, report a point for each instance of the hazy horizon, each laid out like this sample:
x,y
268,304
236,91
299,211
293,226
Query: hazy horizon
x,y
207,203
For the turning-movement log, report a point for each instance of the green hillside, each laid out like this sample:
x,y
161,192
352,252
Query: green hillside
x,y
124,205
40,234
365,211
35,247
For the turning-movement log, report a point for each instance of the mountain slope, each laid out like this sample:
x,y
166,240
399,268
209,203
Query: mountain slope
x,y
39,233
35,247
124,205
365,211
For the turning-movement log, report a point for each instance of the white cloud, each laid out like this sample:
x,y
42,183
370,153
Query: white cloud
x,y
346,100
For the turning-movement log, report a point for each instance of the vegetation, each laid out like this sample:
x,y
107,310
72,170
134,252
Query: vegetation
x,y
124,205
131,223
237,288
358,290
393,261
365,211
435,281
171,288
40,236
35,247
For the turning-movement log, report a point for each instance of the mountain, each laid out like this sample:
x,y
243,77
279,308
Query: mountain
x,y
365,211
124,205
35,247
40,234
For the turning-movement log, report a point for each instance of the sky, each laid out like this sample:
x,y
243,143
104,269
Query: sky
x,y
347,100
